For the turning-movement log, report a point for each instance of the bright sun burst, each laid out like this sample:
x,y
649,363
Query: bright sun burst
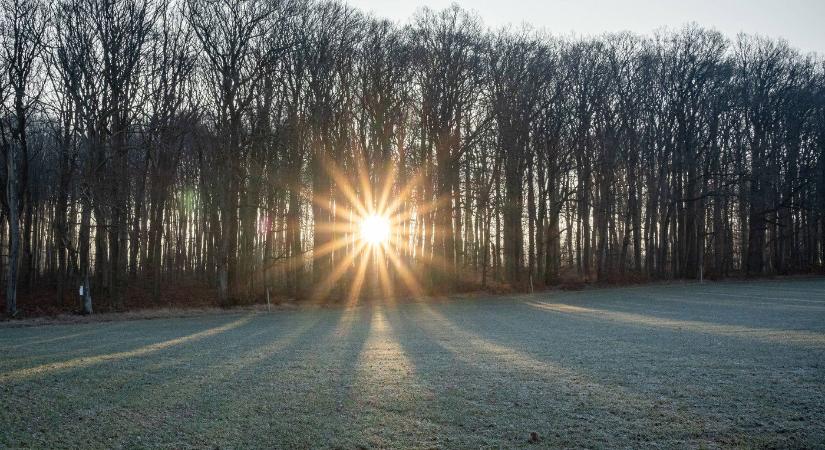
x,y
375,229
362,255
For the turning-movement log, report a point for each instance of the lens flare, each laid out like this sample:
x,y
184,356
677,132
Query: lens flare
x,y
375,229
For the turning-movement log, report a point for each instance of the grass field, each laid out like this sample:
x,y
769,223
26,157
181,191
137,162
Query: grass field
x,y
712,365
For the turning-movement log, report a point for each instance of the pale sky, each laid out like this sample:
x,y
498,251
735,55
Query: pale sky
x,y
801,22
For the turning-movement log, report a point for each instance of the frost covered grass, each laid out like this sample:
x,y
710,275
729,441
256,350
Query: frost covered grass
x,y
711,365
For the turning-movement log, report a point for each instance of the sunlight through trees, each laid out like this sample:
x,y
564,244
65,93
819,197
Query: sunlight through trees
x,y
306,149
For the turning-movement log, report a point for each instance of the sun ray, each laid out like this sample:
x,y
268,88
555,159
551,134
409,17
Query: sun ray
x,y
403,195
405,274
344,226
343,183
330,247
358,282
374,222
363,177
389,181
340,269
383,275
433,205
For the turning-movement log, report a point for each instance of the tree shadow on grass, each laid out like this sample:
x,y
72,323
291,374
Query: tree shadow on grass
x,y
722,304
198,397
739,387
295,397
175,397
458,403
69,344
51,368
385,398
766,335
523,393
63,333
79,400
101,339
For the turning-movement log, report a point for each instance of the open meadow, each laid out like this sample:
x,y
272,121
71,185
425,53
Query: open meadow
x,y
697,365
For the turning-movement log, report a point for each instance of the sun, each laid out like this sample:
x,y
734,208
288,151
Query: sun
x,y
362,245
375,229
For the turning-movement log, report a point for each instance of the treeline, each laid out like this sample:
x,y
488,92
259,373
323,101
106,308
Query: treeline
x,y
236,143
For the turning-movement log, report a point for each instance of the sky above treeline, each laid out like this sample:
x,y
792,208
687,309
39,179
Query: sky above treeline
x,y
798,21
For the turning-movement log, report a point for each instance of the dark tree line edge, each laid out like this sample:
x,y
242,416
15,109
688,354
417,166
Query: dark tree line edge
x,y
155,142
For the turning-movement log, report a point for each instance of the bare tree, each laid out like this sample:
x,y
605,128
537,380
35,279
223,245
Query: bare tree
x,y
231,146
23,28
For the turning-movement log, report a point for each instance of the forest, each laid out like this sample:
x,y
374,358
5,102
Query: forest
x,y
160,150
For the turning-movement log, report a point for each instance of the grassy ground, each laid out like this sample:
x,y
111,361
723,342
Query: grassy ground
x,y
713,365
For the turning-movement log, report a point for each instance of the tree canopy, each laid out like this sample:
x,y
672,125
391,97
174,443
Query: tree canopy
x,y
237,145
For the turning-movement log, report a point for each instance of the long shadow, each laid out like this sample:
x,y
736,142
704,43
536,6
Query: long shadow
x,y
767,335
285,398
797,290
262,337
553,398
111,337
604,349
37,350
778,296
100,358
96,391
704,302
386,399
692,376
143,357
70,332
453,392
679,308
747,297
551,335
619,347
152,400
338,390
335,408
778,293
732,306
